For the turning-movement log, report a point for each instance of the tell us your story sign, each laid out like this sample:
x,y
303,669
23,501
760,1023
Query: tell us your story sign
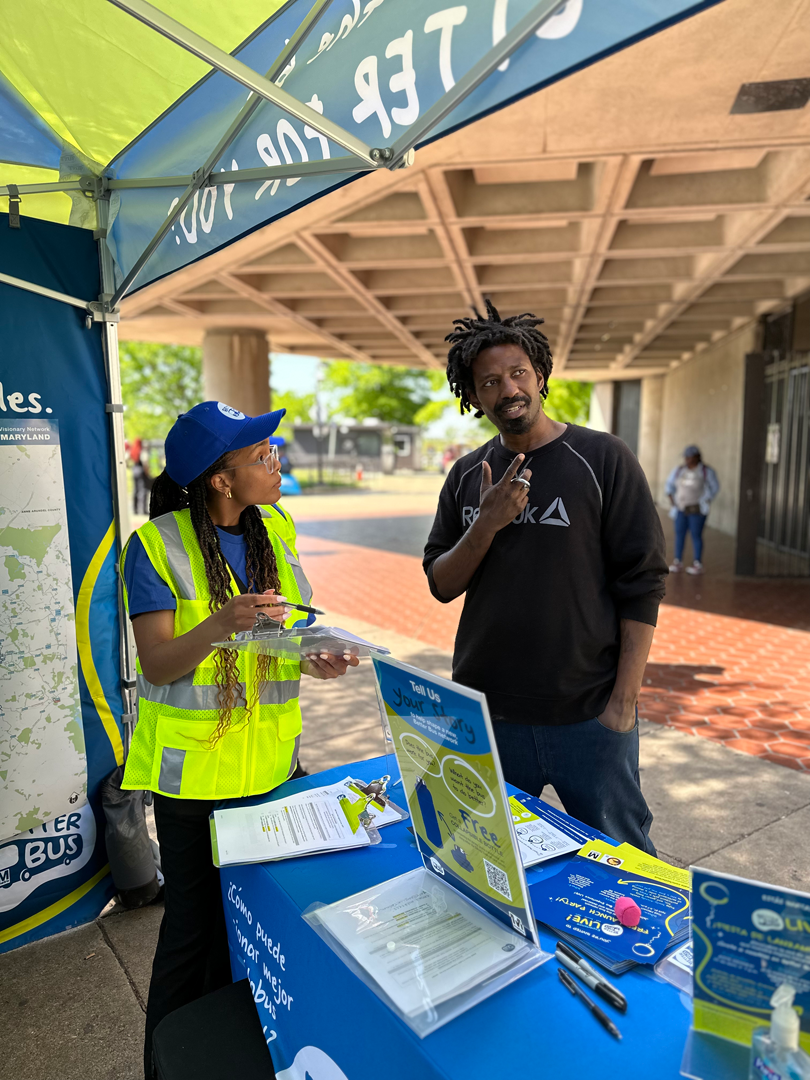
x,y
452,779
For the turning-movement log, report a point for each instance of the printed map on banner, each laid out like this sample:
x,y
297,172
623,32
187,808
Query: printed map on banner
x,y
43,770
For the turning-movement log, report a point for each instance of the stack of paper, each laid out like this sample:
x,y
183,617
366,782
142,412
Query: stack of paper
x,y
579,903
311,822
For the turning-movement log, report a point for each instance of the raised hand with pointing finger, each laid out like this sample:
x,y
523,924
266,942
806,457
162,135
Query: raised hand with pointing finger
x,y
502,502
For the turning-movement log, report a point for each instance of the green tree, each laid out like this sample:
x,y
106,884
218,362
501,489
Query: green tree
x,y
395,395
300,409
158,382
568,401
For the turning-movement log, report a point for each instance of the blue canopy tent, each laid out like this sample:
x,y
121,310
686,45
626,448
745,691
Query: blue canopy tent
x,y
162,134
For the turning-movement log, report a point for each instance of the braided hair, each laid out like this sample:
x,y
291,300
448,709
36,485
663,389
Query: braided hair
x,y
472,336
261,568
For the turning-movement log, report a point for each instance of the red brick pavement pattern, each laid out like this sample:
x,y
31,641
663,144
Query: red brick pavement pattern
x,y
382,587
737,681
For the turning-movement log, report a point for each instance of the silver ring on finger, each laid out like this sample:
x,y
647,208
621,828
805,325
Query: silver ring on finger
x,y
520,480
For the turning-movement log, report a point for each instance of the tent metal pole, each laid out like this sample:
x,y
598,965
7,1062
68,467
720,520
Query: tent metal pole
x,y
349,163
41,189
528,25
203,175
326,166
217,58
115,407
199,180
276,68
40,290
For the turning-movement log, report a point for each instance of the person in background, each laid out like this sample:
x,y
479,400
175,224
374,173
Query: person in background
x,y
141,484
691,487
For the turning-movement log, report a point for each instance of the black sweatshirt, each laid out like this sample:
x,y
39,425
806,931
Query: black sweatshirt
x,y
539,633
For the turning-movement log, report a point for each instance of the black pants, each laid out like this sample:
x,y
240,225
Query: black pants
x,y
192,951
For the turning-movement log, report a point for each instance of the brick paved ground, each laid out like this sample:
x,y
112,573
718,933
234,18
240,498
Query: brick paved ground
x,y
730,661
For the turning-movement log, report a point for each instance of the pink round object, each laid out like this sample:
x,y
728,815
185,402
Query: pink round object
x,y
628,912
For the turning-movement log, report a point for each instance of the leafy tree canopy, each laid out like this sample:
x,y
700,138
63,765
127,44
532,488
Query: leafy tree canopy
x,y
300,409
394,395
158,382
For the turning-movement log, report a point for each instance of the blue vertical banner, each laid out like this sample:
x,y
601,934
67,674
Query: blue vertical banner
x,y
53,871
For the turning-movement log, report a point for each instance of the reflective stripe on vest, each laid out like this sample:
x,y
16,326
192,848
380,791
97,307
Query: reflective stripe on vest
x,y
176,555
183,694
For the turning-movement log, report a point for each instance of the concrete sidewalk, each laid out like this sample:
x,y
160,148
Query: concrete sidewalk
x,y
72,1007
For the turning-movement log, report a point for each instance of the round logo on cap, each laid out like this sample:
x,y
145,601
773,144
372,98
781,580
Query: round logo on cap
x,y
230,412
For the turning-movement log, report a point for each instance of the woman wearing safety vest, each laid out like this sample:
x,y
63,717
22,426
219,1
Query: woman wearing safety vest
x,y
212,724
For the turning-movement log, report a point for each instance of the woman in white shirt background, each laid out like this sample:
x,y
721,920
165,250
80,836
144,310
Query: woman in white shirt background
x,y
691,488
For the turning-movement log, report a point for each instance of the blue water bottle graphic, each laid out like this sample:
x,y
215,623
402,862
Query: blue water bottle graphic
x,y
428,812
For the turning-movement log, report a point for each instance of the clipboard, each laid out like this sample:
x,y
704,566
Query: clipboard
x,y
297,642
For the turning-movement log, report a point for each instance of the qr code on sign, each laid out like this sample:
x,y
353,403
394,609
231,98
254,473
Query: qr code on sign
x,y
497,880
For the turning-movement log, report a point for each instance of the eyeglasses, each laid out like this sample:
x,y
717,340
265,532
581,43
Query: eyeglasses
x,y
270,462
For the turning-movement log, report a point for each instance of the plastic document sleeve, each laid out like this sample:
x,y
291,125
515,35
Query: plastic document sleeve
x,y
423,948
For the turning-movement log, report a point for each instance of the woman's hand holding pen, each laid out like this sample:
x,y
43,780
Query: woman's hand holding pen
x,y
240,612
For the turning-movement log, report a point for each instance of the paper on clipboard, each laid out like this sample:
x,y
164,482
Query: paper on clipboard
x,y
305,824
297,642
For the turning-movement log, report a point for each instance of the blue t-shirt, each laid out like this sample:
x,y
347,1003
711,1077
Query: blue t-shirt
x,y
146,589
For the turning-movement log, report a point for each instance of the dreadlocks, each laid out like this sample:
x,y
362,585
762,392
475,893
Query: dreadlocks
x,y
262,574
472,336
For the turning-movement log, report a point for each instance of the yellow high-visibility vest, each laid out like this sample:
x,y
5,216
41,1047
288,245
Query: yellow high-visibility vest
x,y
171,751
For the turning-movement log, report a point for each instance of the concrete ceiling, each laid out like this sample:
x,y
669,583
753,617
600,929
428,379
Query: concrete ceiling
x,y
628,205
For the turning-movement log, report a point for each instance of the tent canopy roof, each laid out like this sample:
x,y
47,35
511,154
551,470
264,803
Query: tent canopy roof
x,y
189,161
87,76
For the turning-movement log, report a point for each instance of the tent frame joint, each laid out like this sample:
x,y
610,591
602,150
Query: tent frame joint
x,y
94,186
101,311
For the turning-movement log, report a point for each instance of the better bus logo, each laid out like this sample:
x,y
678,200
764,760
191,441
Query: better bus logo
x,y
54,850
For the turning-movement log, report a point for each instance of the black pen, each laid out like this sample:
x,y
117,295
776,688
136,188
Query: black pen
x,y
296,607
571,959
604,1020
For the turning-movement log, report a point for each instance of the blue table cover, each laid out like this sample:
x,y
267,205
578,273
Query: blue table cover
x,y
324,1023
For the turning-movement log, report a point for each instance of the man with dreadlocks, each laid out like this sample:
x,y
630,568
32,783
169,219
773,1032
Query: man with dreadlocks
x,y
551,531
214,724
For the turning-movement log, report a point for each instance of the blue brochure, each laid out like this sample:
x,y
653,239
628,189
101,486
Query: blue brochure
x,y
580,903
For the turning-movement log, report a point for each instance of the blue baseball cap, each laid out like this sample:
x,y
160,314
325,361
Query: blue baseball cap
x,y
691,451
201,436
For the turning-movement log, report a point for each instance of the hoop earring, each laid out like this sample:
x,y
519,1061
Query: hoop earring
x,y
228,495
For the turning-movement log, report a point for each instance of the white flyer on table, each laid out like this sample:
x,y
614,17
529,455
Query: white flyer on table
x,y
303,824
420,940
537,838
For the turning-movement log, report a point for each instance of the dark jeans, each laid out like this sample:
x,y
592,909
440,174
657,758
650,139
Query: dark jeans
x,y
192,951
694,524
593,770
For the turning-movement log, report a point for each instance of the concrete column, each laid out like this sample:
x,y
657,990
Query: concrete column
x,y
600,417
649,430
236,369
